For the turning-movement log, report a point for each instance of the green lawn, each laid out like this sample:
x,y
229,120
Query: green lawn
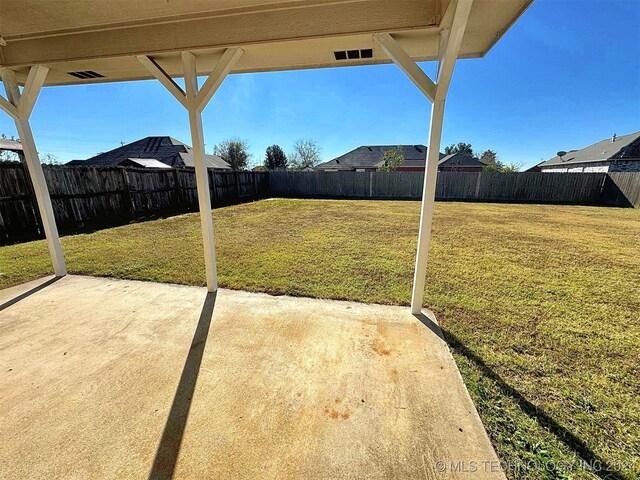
x,y
541,304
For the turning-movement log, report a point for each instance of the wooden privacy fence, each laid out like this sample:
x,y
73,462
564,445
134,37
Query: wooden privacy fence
x,y
90,198
615,189
94,197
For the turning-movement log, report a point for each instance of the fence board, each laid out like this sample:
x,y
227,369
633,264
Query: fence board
x,y
96,197
89,197
616,189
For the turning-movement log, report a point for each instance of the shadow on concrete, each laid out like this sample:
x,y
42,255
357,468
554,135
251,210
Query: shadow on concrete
x,y
166,457
604,470
430,324
28,293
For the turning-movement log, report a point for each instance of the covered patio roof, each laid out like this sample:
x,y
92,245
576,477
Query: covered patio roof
x,y
105,36
56,43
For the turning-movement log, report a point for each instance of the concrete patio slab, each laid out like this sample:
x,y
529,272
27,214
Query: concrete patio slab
x,y
104,378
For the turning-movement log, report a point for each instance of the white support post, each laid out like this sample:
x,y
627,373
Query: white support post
x,y
202,175
450,40
426,207
195,100
19,107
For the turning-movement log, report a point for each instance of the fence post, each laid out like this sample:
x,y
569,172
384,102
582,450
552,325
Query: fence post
x,y
255,182
127,190
179,200
214,186
237,184
32,195
370,184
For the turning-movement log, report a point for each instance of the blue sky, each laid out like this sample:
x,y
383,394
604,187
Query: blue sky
x,y
566,75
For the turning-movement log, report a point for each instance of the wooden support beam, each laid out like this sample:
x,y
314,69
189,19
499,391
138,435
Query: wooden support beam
x,y
35,80
452,46
202,175
8,108
165,79
411,69
450,41
23,106
217,76
444,39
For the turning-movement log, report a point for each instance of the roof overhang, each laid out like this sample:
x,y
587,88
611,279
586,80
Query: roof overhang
x,y
104,36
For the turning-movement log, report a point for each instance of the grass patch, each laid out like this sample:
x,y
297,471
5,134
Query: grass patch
x,y
539,303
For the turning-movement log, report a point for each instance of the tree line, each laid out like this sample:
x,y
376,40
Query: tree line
x,y
235,151
489,157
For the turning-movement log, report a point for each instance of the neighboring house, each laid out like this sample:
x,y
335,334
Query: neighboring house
x,y
536,168
368,158
10,145
143,163
151,152
616,154
460,162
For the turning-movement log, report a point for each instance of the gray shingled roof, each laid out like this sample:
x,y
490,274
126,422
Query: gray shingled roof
x,y
370,156
163,149
602,151
461,159
148,163
10,145
213,161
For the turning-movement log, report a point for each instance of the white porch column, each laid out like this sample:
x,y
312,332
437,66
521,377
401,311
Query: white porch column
x,y
19,107
202,175
194,100
426,207
452,31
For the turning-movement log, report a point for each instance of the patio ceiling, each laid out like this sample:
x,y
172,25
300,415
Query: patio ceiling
x,y
105,35
57,43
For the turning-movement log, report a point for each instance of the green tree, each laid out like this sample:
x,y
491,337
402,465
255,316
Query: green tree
x,y
392,159
275,158
306,153
490,158
235,152
511,167
460,147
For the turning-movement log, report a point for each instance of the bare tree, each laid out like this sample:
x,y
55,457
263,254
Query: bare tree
x,y
49,159
306,153
7,156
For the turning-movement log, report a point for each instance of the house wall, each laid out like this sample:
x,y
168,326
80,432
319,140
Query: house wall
x,y
597,167
625,166
592,167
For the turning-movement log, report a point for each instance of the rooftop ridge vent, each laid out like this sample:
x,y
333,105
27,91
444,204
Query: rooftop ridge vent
x,y
86,74
153,144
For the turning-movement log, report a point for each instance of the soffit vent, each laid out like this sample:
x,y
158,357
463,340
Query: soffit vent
x,y
341,55
86,74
